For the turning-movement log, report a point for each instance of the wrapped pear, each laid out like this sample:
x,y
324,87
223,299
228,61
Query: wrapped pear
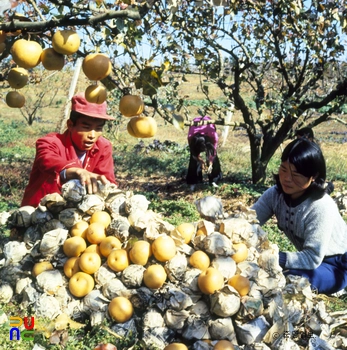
x,y
113,288
52,225
41,217
6,293
136,201
73,191
218,244
21,217
176,267
4,217
107,190
119,227
52,241
47,306
54,202
237,229
175,319
153,319
70,217
132,276
196,328
226,265
178,300
91,203
115,203
104,275
253,331
210,208
49,281
225,303
222,328
95,301
14,252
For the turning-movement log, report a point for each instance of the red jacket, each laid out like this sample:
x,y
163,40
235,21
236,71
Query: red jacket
x,y
54,153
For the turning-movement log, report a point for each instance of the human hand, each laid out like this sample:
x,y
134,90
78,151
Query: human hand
x,y
86,178
202,162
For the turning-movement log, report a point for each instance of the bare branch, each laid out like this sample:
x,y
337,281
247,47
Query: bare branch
x,y
68,20
341,90
339,120
33,3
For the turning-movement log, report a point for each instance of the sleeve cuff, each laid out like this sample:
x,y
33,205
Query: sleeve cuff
x,y
63,175
282,259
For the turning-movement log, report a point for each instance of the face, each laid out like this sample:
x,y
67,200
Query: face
x,y
293,183
86,132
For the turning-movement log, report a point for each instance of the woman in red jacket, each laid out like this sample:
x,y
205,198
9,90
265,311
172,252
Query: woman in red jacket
x,y
79,153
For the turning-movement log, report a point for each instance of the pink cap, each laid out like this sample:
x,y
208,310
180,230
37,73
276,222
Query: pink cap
x,y
94,110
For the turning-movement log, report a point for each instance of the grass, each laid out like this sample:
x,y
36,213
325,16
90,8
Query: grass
x,y
278,237
174,211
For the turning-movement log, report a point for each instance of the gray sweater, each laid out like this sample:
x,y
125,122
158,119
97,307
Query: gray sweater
x,y
315,227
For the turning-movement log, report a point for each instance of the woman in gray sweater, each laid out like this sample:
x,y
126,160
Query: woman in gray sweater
x,y
309,217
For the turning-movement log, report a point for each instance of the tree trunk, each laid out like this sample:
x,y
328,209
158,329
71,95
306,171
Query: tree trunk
x,y
262,150
258,171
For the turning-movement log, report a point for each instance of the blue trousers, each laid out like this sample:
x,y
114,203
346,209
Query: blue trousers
x,y
329,277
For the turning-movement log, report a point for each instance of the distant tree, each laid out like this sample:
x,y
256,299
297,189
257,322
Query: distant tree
x,y
44,94
287,59
279,62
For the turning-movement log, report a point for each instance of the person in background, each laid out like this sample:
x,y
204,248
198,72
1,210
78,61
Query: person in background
x,y
309,217
203,142
305,132
308,133
79,153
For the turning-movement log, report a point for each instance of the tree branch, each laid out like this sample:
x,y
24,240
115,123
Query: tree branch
x,y
341,90
337,119
41,26
302,73
216,122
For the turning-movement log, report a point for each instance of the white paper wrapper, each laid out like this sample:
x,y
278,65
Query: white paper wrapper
x,y
91,203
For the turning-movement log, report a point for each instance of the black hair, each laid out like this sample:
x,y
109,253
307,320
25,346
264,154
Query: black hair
x,y
305,132
197,144
308,160
210,151
74,116
200,143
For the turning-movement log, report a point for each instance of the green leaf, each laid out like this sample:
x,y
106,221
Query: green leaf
x,y
120,24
